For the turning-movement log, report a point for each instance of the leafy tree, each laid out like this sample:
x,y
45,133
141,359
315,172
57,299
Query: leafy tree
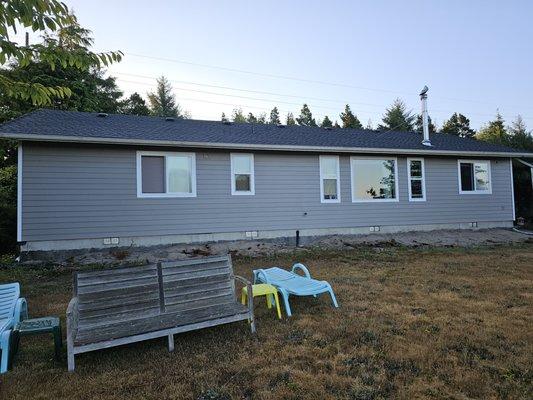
x,y
326,123
290,119
495,132
397,118
306,117
39,16
238,116
274,117
520,137
134,105
458,125
349,120
262,118
163,102
8,209
419,126
223,118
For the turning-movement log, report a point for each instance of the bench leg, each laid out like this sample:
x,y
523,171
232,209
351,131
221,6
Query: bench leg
x,y
4,347
170,342
333,299
70,361
285,296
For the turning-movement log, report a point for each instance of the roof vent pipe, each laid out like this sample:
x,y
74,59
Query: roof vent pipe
x,y
425,122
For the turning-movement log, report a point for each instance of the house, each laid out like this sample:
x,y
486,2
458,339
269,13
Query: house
x,y
89,180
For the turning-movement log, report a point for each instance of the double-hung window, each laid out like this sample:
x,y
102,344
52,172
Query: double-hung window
x,y
329,179
474,177
242,174
374,179
417,179
165,174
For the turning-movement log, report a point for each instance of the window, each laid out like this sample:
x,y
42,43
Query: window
x,y
329,179
374,179
474,177
166,174
242,174
417,179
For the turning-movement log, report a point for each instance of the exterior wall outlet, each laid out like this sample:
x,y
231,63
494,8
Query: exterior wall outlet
x,y
107,240
473,224
248,234
254,234
115,241
372,229
376,228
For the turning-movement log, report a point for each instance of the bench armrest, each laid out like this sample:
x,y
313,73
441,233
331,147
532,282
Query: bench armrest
x,y
21,310
249,289
72,318
303,268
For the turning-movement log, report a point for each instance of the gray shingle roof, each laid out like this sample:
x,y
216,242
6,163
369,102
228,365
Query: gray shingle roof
x,y
72,125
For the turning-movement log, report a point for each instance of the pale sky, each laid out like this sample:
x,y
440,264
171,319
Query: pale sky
x,y
475,56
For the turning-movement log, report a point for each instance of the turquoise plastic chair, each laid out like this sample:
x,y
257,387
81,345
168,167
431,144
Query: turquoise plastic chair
x,y
290,283
13,309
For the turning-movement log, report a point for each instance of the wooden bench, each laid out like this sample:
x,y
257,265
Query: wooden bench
x,y
119,306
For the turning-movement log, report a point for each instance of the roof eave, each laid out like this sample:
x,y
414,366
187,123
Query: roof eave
x,y
244,146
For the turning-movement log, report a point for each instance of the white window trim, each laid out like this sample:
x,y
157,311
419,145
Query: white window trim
x,y
396,178
322,177
461,191
165,154
250,192
409,179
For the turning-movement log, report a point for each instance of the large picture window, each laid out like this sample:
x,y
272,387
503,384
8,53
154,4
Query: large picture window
x,y
374,179
329,179
474,177
166,174
417,179
242,174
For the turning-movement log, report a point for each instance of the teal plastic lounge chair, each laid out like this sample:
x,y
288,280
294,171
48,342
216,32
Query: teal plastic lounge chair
x,y
290,283
13,309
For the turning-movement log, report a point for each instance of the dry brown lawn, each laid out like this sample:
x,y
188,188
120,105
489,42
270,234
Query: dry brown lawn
x,y
449,323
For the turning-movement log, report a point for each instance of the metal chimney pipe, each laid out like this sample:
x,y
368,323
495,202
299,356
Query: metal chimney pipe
x,y
425,122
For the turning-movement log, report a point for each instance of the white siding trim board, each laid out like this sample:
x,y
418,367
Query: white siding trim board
x,y
19,193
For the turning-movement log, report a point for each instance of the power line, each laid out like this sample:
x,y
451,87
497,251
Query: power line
x,y
359,111
297,79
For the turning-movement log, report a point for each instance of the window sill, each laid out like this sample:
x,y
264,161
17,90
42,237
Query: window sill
x,y
164,195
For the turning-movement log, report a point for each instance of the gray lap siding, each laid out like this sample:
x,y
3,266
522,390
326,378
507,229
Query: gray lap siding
x,y
85,191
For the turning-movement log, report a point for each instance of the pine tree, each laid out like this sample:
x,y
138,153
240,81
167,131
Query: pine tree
x,y
290,119
134,105
274,117
495,132
369,125
261,119
223,118
306,117
251,119
238,116
349,120
458,125
397,118
520,138
162,101
419,125
336,125
326,123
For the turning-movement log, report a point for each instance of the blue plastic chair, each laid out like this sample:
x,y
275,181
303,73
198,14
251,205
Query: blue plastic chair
x,y
13,309
290,283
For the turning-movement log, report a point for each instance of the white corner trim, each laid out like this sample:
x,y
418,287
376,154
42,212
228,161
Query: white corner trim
x,y
234,191
192,158
475,191
423,179
19,192
512,185
337,177
396,199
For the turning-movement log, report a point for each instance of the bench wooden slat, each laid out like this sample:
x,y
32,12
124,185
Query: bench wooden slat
x,y
116,271
134,276
206,260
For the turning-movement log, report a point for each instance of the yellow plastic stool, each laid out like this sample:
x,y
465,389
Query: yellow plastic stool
x,y
263,289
